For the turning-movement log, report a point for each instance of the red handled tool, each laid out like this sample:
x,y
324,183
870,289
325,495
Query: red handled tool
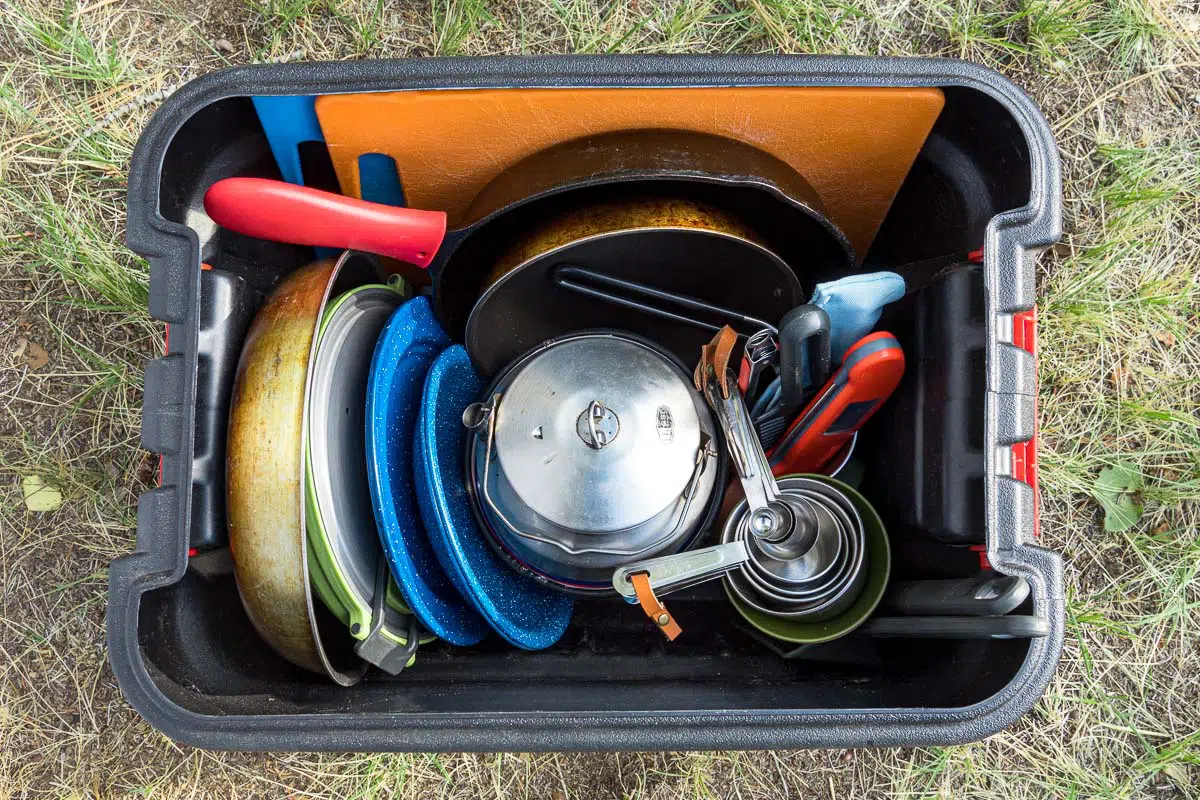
x,y
284,212
870,372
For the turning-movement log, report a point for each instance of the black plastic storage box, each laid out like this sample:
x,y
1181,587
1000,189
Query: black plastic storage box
x,y
948,462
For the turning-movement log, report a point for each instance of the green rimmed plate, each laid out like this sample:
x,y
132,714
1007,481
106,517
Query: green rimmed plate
x,y
343,543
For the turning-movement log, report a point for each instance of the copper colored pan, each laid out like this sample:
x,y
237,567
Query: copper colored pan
x,y
265,470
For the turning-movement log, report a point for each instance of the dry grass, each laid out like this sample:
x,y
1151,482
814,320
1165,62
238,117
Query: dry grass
x,y
1120,377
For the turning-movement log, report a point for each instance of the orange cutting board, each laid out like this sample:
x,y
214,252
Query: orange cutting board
x,y
853,145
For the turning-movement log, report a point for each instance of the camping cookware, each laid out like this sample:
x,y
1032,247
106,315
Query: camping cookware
x,y
409,343
877,566
522,611
870,373
265,476
589,452
761,355
598,187
793,550
855,144
345,553
648,300
621,264
803,354
526,306
803,361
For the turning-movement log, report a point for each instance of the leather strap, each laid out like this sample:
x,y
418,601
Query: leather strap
x,y
653,608
714,358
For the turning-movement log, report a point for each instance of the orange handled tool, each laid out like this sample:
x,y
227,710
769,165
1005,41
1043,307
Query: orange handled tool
x,y
870,372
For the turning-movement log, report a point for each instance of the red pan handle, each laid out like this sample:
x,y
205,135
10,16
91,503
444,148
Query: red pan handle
x,y
284,212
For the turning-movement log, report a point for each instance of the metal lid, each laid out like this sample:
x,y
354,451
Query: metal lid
x,y
597,432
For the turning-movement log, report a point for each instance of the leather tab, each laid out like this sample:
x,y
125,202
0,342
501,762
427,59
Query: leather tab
x,y
714,358
655,610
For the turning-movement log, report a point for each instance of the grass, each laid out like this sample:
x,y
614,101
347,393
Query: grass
x,y
1119,370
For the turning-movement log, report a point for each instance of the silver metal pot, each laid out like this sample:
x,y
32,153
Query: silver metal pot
x,y
591,451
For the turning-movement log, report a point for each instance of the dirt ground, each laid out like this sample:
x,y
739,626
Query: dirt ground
x,y
1119,303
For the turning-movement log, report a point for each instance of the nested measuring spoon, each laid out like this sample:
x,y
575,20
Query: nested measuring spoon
x,y
789,551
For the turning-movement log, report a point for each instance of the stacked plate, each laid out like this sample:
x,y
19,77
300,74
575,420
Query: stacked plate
x,y
395,549
350,525
346,562
522,611
458,589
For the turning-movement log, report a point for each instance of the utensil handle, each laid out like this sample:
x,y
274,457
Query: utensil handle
x,y
753,469
804,339
679,571
1008,627
982,595
761,353
284,212
576,279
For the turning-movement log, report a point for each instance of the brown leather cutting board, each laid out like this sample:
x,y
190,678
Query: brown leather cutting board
x,y
854,145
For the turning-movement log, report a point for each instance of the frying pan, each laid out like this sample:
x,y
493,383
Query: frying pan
x,y
854,143
567,182
528,303
265,480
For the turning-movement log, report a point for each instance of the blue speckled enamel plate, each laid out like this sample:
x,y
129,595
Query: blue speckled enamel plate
x,y
522,611
410,342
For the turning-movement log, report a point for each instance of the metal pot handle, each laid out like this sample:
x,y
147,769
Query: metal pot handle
x,y
478,414
672,573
